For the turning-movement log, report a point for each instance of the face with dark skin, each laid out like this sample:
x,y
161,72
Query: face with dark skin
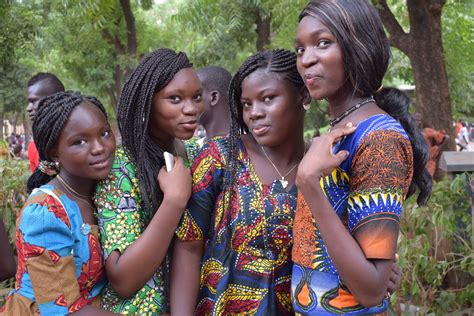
x,y
319,59
208,98
86,146
271,108
35,93
176,108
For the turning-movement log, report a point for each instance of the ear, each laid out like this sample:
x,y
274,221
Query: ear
x,y
54,154
215,97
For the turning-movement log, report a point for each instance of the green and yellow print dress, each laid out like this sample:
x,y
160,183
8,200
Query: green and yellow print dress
x,y
122,219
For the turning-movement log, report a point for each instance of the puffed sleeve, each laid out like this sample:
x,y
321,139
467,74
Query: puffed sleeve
x,y
382,170
207,171
119,209
46,240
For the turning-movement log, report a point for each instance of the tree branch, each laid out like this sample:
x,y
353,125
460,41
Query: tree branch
x,y
131,30
397,36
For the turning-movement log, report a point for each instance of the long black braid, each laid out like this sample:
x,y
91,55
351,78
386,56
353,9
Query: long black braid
x,y
153,73
53,113
278,61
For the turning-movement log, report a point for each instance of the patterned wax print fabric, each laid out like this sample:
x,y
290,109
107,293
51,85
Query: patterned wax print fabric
x,y
246,267
122,219
367,192
60,264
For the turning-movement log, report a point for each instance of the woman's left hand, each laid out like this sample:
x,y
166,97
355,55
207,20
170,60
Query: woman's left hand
x,y
320,159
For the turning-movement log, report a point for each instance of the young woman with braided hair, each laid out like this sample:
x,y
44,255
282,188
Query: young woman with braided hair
x,y
140,204
60,266
243,201
354,179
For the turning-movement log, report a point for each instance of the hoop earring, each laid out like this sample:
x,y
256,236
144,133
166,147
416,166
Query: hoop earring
x,y
307,106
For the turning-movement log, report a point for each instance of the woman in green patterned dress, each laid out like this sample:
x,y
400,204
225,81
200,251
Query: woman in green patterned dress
x,y
139,205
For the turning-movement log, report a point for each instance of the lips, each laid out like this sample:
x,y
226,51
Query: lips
x,y
311,79
190,125
260,130
101,163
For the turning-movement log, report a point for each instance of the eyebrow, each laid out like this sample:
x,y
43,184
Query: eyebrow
x,y
315,33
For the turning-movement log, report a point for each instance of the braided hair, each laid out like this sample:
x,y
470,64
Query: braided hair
x,y
153,73
53,113
279,62
366,54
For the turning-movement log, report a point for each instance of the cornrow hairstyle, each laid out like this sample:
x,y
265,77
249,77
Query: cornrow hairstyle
x,y
53,113
279,62
153,73
53,83
359,32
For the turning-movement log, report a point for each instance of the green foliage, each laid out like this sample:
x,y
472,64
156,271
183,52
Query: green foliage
x,y
458,38
13,176
425,271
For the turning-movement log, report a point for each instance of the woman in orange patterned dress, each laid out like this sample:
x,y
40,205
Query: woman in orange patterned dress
x,y
353,181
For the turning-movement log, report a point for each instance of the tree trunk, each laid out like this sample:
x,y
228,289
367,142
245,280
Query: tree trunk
x,y
120,72
429,68
263,30
424,47
15,122
2,116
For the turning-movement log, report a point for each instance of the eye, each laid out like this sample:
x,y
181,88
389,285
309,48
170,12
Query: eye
x,y
246,105
79,142
106,133
323,43
174,99
198,98
299,51
268,98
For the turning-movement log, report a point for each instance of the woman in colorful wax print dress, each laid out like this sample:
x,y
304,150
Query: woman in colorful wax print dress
x,y
139,205
243,201
353,180
60,264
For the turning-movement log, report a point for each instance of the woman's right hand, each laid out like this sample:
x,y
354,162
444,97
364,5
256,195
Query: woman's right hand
x,y
176,184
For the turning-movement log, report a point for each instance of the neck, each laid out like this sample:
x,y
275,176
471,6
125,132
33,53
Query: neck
x,y
167,144
82,186
286,154
219,126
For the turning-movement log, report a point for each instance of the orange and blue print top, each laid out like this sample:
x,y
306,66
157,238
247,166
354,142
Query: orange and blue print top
x,y
60,264
367,192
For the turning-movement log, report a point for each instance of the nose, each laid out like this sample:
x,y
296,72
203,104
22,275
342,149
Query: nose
x,y
98,147
191,108
308,58
256,111
29,107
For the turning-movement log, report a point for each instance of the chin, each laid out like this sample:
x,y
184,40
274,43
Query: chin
x,y
185,136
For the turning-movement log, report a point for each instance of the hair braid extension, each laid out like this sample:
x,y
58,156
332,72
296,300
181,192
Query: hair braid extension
x,y
153,73
53,113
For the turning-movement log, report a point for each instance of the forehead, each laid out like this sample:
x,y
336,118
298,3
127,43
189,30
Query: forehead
x,y
39,89
184,79
262,79
310,25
